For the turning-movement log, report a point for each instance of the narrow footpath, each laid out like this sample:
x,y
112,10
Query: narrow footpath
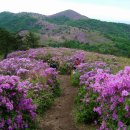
x,y
60,115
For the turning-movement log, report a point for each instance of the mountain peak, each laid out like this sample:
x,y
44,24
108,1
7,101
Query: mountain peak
x,y
70,14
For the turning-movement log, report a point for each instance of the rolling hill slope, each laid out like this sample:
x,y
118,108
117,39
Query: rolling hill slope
x,y
71,26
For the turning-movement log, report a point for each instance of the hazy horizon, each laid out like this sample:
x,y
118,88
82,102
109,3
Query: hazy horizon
x,y
109,10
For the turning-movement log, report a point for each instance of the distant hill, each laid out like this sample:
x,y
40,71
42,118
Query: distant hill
x,y
100,36
68,14
23,22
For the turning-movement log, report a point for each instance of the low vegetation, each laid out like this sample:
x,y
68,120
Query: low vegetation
x,y
39,84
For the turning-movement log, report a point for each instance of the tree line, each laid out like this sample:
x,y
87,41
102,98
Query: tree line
x,y
12,42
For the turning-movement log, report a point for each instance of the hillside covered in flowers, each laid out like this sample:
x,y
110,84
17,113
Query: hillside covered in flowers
x,y
30,84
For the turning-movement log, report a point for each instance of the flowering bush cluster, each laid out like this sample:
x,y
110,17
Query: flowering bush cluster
x,y
23,67
78,55
114,91
111,97
27,68
83,77
39,74
89,67
16,110
63,60
103,97
76,60
86,67
39,86
39,54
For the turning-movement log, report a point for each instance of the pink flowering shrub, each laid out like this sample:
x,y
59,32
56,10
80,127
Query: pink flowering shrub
x,y
23,67
30,69
86,69
44,85
86,99
31,53
64,62
46,81
70,66
112,93
38,54
89,66
16,110
78,55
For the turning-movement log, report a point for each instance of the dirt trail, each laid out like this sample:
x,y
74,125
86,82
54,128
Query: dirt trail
x,y
59,117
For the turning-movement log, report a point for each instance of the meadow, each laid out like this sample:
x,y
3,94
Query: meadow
x,y
29,85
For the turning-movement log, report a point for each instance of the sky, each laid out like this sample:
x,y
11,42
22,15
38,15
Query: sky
x,y
105,10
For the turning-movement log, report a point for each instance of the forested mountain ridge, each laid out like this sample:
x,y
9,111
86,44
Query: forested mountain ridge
x,y
96,35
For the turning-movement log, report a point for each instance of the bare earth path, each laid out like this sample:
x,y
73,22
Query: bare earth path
x,y
59,116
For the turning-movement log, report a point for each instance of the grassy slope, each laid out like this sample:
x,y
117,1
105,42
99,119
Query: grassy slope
x,y
118,33
107,28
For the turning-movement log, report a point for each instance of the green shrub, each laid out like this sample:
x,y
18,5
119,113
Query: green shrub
x,y
75,78
57,92
56,89
33,125
65,69
43,100
44,58
84,113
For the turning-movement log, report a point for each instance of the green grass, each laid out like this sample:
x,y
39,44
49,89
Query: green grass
x,y
75,78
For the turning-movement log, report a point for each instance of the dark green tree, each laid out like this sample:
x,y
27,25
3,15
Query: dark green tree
x,y
6,42
32,40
